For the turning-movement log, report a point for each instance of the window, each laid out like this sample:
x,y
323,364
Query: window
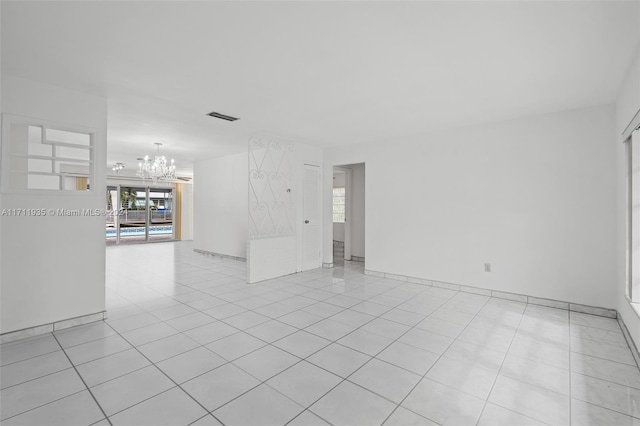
x,y
44,156
633,216
338,204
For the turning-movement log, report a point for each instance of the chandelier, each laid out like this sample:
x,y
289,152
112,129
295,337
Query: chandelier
x,y
158,169
118,166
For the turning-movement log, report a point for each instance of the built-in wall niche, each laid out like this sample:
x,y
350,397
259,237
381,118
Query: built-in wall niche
x,y
39,156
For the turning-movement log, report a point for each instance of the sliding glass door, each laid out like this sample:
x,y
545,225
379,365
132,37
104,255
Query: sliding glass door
x,y
161,218
139,214
113,207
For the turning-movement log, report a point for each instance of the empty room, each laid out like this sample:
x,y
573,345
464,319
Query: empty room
x,y
320,213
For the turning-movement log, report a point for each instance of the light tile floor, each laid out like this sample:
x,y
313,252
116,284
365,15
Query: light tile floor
x,y
189,342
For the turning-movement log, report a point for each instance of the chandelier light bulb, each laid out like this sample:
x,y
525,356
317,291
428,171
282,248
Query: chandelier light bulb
x,y
158,169
118,166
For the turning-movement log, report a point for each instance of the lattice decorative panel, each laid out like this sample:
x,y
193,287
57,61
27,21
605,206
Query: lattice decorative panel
x,y
271,201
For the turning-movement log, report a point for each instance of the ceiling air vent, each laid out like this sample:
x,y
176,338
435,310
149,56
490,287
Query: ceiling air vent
x,y
222,116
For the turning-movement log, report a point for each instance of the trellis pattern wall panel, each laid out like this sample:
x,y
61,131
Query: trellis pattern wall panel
x,y
271,250
271,200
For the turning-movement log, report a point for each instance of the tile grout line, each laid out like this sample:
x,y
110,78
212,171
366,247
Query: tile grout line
x,y
202,345
30,358
166,375
630,416
345,379
384,348
82,379
39,377
587,375
318,278
45,404
440,356
300,359
486,401
570,371
311,289
304,359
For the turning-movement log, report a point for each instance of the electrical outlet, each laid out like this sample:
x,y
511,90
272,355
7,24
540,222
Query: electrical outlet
x,y
487,267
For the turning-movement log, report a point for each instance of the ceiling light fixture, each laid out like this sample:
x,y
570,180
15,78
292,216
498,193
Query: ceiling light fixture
x,y
118,166
158,169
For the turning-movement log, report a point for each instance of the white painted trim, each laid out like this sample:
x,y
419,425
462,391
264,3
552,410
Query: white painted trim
x,y
524,298
225,256
629,339
348,218
633,125
635,307
51,327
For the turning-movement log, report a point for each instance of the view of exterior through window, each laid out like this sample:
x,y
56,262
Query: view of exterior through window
x,y
338,204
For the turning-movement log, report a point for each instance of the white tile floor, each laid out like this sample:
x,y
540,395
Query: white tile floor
x,y
189,342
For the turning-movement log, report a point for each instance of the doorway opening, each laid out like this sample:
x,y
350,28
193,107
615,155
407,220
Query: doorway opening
x,y
138,214
348,213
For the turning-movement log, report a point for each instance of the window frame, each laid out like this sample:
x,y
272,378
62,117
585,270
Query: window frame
x,y
632,289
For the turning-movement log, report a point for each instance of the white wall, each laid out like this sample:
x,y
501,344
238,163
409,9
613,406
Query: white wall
x,y
535,197
338,232
220,206
187,212
52,268
627,106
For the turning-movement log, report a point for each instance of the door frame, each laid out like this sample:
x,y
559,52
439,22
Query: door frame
x,y
347,208
148,189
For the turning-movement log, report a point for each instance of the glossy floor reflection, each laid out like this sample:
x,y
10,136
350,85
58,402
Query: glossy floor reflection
x,y
189,342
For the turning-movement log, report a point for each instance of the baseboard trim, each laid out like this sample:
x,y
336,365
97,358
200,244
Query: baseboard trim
x,y
551,303
225,256
357,259
630,341
51,327
328,265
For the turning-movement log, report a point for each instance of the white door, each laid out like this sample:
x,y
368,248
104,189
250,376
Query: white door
x,y
311,219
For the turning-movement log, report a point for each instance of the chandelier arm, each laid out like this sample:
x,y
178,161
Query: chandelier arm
x,y
157,170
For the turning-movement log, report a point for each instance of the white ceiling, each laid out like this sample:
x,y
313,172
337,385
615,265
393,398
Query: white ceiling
x,y
324,73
